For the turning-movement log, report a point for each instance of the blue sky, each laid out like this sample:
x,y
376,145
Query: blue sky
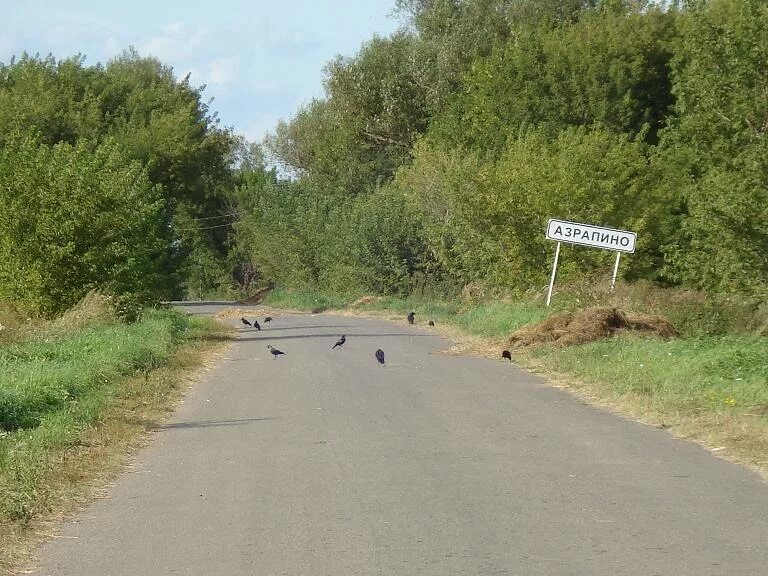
x,y
259,59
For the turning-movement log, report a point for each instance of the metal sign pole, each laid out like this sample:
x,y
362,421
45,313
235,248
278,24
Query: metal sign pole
x,y
554,271
615,270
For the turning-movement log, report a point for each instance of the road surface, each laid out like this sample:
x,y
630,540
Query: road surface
x,y
321,462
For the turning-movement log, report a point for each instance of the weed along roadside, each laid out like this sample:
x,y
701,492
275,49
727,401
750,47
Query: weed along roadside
x,y
678,361
76,395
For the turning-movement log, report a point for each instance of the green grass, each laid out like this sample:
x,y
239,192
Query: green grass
x,y
492,319
52,393
726,374
41,376
306,300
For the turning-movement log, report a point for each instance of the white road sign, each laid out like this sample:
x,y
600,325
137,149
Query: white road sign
x,y
587,235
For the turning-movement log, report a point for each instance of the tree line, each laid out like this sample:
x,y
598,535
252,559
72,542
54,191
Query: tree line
x,y
109,175
438,153
433,161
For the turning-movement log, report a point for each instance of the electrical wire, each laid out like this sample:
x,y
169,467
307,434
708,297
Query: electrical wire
x,y
203,228
215,217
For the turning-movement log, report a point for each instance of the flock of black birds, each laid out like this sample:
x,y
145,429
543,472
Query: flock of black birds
x,y
379,354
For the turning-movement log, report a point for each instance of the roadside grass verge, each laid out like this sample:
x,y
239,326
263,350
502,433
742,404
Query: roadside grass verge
x,y
713,388
83,401
490,319
710,385
306,300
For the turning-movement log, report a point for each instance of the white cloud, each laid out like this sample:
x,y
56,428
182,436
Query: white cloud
x,y
258,126
263,87
222,71
111,46
218,72
174,43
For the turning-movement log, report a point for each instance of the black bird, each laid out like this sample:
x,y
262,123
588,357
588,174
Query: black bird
x,y
380,356
244,321
506,355
431,323
268,319
256,325
340,342
411,317
274,351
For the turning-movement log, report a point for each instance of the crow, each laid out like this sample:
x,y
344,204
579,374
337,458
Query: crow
x,y
256,325
411,316
506,355
431,323
340,342
380,356
274,351
268,319
244,321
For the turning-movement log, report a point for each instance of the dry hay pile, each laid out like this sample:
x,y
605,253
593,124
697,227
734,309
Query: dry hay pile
x,y
588,325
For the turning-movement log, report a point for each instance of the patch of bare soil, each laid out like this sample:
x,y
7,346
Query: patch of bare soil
x,y
234,313
365,300
256,298
588,325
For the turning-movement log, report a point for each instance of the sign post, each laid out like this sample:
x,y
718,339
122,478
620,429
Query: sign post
x,y
615,270
554,271
588,235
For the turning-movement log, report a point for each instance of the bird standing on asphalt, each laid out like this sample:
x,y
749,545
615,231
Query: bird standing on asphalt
x,y
256,325
431,323
274,351
244,321
506,355
380,356
411,317
268,319
340,342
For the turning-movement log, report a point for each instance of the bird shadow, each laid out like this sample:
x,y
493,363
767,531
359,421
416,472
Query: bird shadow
x,y
209,423
196,303
336,335
307,327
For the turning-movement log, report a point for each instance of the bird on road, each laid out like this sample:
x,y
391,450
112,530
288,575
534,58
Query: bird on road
x,y
256,325
340,342
380,356
431,323
411,317
274,351
244,321
506,355
268,319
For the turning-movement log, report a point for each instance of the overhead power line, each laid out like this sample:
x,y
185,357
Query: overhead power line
x,y
215,217
204,227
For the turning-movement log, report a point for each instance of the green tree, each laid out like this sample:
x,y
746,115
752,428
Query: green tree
x,y
717,141
78,218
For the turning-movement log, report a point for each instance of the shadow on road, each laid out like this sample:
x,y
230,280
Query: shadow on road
x,y
210,423
350,335
268,328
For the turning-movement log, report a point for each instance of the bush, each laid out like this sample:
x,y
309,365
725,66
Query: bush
x,y
79,218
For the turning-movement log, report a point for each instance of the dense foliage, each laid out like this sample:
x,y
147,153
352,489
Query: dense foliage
x,y
434,160
439,153
105,175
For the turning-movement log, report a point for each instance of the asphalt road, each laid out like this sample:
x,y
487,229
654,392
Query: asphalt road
x,y
321,462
